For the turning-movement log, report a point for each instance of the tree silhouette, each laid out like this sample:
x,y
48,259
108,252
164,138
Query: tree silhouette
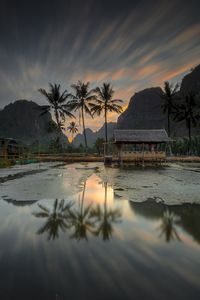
x,y
72,128
58,105
56,220
81,100
169,94
188,112
105,103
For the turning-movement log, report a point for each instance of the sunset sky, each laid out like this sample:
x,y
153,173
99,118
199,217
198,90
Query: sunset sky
x,y
133,44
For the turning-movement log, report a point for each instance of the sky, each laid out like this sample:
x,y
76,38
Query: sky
x,y
132,44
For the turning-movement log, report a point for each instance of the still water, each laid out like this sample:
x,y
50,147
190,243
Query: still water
x,y
72,233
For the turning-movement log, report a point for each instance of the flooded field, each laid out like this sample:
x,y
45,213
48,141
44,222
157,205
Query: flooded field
x,y
83,231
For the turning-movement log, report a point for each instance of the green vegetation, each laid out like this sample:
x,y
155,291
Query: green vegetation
x,y
5,163
188,111
180,146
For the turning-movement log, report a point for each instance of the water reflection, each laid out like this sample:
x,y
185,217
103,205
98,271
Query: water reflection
x,y
57,219
106,217
168,226
82,220
79,217
171,217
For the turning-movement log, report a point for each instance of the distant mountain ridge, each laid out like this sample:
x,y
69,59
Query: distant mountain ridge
x,y
22,120
92,136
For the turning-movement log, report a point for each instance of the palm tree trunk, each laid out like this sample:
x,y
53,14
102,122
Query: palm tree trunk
x,y
106,131
84,129
59,129
169,130
168,123
105,200
189,134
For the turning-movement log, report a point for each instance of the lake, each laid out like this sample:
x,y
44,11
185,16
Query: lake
x,y
86,231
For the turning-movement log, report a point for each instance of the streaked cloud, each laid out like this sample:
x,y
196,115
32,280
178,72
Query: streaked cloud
x,y
132,44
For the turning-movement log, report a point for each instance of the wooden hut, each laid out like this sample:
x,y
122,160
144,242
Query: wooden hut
x,y
10,148
141,145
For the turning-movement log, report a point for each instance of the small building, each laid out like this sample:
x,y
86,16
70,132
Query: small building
x,y
10,148
141,145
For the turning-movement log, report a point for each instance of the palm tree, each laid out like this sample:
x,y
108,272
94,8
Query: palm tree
x,y
72,128
188,112
167,227
57,104
81,100
169,93
82,220
104,104
56,220
105,218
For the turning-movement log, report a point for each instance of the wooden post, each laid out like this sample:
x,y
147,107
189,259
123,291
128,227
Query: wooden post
x,y
143,154
104,152
119,146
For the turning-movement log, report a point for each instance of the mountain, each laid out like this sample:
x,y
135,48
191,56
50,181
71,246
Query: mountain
x,y
145,108
144,111
22,120
191,81
92,136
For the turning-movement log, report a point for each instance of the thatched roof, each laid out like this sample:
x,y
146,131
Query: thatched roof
x,y
141,136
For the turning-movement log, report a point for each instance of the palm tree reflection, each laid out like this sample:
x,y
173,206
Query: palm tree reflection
x,y
82,220
168,226
105,217
56,220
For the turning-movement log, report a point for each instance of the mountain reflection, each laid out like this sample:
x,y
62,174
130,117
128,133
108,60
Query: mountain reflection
x,y
79,218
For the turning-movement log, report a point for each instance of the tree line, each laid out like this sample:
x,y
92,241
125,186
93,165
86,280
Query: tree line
x,y
82,100
178,106
181,106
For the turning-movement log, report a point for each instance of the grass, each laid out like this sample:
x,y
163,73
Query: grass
x,y
4,163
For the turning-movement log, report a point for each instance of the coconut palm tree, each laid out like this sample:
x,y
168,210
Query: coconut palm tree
x,y
169,93
105,103
81,100
188,112
72,128
57,104
105,217
56,220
